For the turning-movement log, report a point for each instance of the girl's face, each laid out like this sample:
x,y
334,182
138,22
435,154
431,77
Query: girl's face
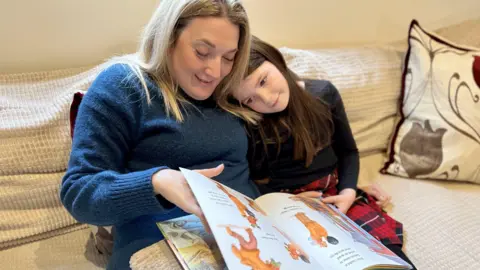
x,y
265,90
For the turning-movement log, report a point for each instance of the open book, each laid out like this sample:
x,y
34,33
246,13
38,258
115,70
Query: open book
x,y
275,231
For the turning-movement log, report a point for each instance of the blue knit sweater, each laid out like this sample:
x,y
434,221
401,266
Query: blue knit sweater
x,y
121,141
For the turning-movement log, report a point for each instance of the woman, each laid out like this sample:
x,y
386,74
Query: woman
x,y
304,145
143,118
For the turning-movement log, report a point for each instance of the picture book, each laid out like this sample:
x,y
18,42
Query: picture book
x,y
274,231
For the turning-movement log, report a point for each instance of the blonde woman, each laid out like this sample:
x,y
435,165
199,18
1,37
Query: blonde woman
x,y
143,119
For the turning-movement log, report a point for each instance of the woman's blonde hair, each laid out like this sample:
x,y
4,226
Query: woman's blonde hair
x,y
163,31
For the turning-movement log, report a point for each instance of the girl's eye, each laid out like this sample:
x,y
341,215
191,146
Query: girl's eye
x,y
263,81
229,59
248,101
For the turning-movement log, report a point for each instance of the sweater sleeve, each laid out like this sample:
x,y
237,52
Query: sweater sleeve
x,y
97,188
343,143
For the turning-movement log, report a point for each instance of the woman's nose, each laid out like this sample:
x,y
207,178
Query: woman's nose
x,y
214,68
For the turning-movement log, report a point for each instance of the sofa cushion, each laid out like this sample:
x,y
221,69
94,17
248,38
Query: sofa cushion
x,y
73,251
438,135
440,230
368,80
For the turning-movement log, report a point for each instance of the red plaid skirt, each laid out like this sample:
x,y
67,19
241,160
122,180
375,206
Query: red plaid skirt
x,y
364,211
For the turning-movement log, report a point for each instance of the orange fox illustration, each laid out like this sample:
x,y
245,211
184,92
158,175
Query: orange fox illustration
x,y
249,254
241,207
317,232
317,206
346,225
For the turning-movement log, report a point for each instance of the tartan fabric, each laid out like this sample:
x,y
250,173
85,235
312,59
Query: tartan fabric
x,y
364,211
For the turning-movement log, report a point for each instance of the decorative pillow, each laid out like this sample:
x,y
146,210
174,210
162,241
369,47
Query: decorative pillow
x,y
438,135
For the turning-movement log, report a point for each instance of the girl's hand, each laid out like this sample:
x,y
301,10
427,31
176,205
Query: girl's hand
x,y
343,200
172,185
383,198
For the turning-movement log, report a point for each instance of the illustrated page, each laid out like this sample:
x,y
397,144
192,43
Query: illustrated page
x,y
243,231
325,233
192,245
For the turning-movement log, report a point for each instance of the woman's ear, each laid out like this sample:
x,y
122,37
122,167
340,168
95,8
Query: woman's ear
x,y
301,84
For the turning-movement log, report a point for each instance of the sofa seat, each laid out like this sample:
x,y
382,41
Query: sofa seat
x,y
72,251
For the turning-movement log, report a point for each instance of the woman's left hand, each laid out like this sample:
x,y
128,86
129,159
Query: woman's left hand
x,y
343,200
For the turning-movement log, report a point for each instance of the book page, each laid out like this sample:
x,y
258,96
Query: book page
x,y
242,230
326,234
194,248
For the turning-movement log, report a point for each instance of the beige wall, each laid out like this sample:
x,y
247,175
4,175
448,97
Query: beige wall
x,y
52,34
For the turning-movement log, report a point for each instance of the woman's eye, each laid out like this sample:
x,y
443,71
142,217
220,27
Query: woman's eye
x,y
229,59
201,55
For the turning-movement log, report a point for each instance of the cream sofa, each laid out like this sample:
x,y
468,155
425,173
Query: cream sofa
x,y
440,218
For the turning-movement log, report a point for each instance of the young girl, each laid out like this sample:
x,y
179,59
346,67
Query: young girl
x,y
303,143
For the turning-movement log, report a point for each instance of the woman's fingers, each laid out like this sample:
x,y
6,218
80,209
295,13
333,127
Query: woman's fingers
x,y
331,199
311,194
212,172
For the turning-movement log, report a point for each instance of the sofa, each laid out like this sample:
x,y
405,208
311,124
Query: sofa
x,y
440,217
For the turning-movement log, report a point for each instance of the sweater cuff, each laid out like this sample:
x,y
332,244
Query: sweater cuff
x,y
133,194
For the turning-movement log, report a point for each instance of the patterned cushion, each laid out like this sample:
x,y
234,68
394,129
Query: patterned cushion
x,y
438,135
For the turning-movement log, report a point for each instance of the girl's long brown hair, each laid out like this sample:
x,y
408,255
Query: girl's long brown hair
x,y
307,118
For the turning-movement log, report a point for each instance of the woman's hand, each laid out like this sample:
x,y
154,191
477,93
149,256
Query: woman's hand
x,y
374,190
343,200
311,194
172,185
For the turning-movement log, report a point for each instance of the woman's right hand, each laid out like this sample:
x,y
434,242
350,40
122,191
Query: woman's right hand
x,y
172,185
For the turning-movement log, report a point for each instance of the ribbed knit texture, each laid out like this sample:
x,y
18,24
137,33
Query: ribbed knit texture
x,y
34,150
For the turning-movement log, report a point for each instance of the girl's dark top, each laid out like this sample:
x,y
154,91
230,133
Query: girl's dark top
x,y
286,173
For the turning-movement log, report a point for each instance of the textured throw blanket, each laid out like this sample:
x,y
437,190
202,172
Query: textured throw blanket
x,y
34,150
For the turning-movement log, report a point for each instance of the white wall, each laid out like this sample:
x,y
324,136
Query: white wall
x,y
52,34
307,23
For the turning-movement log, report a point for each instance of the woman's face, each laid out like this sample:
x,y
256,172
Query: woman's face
x,y
203,55
265,90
